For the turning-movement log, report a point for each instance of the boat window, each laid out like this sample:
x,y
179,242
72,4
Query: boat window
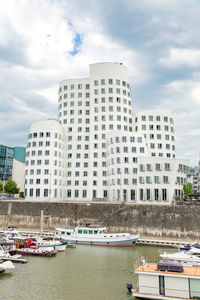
x,y
79,231
100,231
62,232
96,231
90,232
85,231
68,233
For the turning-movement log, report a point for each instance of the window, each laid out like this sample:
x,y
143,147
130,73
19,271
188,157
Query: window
x,y
150,118
156,194
164,194
165,179
45,192
158,167
148,194
141,194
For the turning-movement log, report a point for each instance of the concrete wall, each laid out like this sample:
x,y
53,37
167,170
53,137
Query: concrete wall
x,y
167,221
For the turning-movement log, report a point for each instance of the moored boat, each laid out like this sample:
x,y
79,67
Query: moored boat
x,y
185,258
37,251
58,245
6,265
166,281
95,235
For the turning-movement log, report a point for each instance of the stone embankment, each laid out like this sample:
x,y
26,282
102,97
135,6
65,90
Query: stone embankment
x,y
171,222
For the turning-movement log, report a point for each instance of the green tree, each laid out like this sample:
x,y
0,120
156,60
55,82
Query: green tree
x,y
187,188
1,187
11,187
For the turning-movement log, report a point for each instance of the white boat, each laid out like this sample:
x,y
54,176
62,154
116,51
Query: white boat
x,y
6,265
37,251
95,235
185,258
4,254
166,281
59,245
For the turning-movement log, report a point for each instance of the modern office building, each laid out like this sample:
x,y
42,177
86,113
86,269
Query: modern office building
x,y
12,165
108,153
6,162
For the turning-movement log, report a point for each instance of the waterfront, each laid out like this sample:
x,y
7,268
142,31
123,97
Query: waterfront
x,y
85,272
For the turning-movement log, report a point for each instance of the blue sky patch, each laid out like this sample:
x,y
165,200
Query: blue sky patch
x,y
77,43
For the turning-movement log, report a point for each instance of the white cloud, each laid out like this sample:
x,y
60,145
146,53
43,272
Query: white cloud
x,y
181,57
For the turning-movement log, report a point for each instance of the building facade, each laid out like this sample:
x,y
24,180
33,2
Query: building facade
x,y
12,165
104,144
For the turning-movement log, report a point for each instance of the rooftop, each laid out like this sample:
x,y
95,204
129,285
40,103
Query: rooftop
x,y
152,268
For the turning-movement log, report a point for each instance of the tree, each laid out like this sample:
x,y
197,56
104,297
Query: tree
x,y
11,187
187,188
1,187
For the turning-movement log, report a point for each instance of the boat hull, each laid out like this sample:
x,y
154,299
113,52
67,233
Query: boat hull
x,y
59,248
128,242
36,252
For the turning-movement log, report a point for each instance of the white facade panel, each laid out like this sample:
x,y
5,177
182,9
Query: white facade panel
x,y
148,284
177,287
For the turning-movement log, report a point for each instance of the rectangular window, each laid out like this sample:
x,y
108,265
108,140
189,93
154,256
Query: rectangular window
x,y
148,194
156,194
45,192
141,194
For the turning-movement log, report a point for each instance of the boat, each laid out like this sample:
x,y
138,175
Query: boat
x,y
6,265
58,245
37,251
95,235
166,281
185,258
26,246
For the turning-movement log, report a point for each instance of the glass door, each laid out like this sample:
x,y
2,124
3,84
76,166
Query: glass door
x,y
162,285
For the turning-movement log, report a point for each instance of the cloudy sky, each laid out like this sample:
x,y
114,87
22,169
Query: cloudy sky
x,y
45,41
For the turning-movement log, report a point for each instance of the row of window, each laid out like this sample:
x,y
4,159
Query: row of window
x,y
45,172
44,134
38,162
80,86
156,127
154,194
155,118
79,112
40,153
96,92
166,128
43,144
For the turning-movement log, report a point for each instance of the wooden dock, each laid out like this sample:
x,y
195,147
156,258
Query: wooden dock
x,y
162,243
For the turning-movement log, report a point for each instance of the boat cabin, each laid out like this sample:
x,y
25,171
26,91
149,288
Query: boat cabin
x,y
80,231
167,281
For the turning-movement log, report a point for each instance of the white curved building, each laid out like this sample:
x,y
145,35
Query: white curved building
x,y
106,153
89,109
45,162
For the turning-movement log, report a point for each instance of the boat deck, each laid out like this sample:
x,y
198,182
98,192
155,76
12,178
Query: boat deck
x,y
152,268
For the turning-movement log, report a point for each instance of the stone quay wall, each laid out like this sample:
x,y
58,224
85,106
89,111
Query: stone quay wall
x,y
148,220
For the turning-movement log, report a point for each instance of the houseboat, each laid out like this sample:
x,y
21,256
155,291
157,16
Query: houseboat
x,y
166,280
95,235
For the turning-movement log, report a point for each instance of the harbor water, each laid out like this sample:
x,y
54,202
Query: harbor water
x,y
84,272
